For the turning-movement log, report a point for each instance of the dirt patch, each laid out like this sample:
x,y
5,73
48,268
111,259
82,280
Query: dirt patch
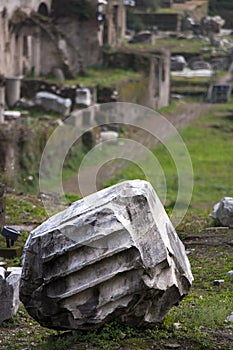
x,y
212,236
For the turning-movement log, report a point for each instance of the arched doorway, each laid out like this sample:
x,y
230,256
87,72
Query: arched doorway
x,y
43,9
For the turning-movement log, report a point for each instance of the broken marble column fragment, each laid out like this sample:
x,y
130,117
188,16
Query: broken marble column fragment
x,y
223,212
111,255
9,292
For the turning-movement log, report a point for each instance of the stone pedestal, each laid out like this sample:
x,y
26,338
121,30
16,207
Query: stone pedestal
x,y
13,85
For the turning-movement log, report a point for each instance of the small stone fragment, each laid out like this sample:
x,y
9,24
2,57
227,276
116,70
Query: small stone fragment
x,y
9,292
230,273
111,255
218,282
172,346
177,325
223,212
229,318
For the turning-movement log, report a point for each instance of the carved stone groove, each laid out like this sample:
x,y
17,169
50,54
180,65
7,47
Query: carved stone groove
x,y
114,254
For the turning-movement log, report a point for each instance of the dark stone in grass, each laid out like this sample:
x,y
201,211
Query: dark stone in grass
x,y
218,282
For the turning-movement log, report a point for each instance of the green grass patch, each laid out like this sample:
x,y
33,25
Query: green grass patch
x,y
209,142
24,209
194,86
195,81
172,108
176,46
169,10
103,76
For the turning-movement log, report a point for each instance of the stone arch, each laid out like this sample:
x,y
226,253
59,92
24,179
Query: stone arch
x,y
43,9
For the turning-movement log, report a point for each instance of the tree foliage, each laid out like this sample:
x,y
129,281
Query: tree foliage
x,y
216,6
134,22
81,8
147,4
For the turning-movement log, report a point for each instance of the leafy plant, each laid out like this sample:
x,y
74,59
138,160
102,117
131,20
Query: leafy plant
x,y
84,9
134,22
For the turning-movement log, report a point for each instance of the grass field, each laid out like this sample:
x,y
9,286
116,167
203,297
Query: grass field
x,y
209,141
103,76
194,46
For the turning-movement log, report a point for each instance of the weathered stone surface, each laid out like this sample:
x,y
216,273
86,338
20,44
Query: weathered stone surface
x,y
229,318
2,190
9,292
223,212
211,24
2,205
178,63
114,254
145,37
52,102
196,65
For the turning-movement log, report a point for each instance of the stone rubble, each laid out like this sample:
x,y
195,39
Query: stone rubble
x,y
223,212
53,102
229,318
218,282
9,292
111,255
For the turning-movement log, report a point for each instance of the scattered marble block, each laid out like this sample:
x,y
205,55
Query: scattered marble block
x,y
223,212
9,292
111,255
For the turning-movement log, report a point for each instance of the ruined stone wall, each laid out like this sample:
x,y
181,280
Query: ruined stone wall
x,y
4,43
200,11
134,92
165,83
52,58
26,38
115,22
20,47
81,41
8,137
153,89
19,42
164,21
11,46
85,35
32,5
22,143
